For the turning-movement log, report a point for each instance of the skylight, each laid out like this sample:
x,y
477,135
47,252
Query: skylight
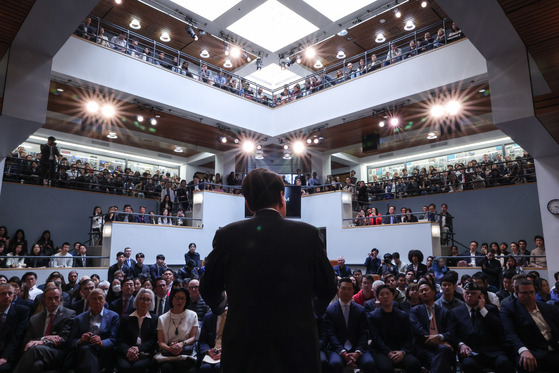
x,y
272,26
272,76
335,10
209,9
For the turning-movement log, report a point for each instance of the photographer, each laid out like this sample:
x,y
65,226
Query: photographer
x,y
387,266
372,262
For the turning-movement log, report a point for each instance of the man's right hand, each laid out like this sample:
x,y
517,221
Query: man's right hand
x,y
84,338
528,361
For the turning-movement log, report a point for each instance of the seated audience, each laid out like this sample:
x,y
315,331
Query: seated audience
x,y
450,299
419,269
197,304
63,259
15,259
209,344
341,270
124,305
13,324
366,292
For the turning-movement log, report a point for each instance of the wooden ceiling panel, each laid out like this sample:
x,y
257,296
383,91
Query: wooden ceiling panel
x,y
12,15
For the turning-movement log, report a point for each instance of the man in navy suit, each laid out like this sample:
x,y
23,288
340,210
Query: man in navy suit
x,y
80,258
472,256
119,265
531,329
345,325
341,270
479,333
162,303
159,267
432,330
13,323
47,334
124,305
209,344
390,334
93,337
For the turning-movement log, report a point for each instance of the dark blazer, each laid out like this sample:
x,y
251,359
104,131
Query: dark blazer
x,y
492,268
207,334
155,272
479,257
13,333
113,269
266,317
132,263
78,261
37,303
137,271
488,336
61,326
45,153
337,332
394,218
166,306
421,270
420,325
116,306
521,330
128,333
78,306
389,333
342,272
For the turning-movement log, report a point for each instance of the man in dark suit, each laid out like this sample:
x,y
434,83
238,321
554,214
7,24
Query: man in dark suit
x,y
139,268
275,323
81,259
93,337
390,335
209,344
49,156
128,261
508,287
13,323
159,267
492,268
345,325
119,265
472,256
162,303
390,217
47,335
432,330
86,286
479,334
341,270
86,31
124,305
531,329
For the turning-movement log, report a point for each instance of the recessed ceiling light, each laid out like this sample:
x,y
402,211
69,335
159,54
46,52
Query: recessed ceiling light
x,y
394,121
204,53
165,37
409,25
259,154
118,2
424,4
380,38
437,111
112,135
298,147
248,146
135,24
431,135
228,63
340,55
382,20
59,90
108,111
397,13
139,118
235,52
318,64
92,106
453,107
178,149
381,123
342,33
310,53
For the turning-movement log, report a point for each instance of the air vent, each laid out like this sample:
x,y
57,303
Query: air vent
x,y
330,58
164,156
100,143
436,145
386,155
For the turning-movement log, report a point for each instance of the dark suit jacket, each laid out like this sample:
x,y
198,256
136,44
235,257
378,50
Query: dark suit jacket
x,y
113,269
521,330
479,257
389,333
37,304
12,335
45,153
78,306
128,334
132,263
155,272
207,334
421,270
420,325
268,318
342,272
61,326
116,306
488,336
78,262
337,332
166,306
386,219
136,271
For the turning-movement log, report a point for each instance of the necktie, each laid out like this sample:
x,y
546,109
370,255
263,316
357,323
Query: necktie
x,y
83,260
49,326
346,314
124,306
160,307
433,324
474,319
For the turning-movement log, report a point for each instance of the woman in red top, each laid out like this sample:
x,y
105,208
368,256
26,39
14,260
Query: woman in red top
x,y
376,219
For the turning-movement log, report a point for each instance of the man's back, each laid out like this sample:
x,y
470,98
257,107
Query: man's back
x,y
272,269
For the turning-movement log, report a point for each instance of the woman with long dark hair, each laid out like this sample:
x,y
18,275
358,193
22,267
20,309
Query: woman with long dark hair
x,y
46,242
34,261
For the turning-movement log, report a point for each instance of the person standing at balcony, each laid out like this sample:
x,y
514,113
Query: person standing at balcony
x,y
204,74
49,157
85,30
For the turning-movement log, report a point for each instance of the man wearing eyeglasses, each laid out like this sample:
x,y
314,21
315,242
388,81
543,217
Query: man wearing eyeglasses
x,y
197,304
13,322
531,329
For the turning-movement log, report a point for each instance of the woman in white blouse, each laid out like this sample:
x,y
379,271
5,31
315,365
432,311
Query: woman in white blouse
x,y
14,260
177,331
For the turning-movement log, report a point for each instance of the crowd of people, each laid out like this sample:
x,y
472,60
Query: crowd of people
x,y
140,317
310,84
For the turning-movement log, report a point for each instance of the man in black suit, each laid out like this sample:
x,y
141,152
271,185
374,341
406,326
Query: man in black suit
x,y
391,217
492,268
162,303
472,256
479,334
508,286
390,335
49,156
432,330
159,267
124,305
86,286
341,270
86,31
139,268
531,329
47,334
274,322
128,261
209,343
345,325
80,258
13,323
119,265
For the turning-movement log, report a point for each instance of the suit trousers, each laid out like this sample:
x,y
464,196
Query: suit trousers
x,y
366,363
438,359
139,366
209,368
500,363
547,364
40,358
409,363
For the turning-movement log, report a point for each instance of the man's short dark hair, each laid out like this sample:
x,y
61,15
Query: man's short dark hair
x,y
384,286
444,204
523,281
449,278
509,274
400,275
357,270
477,244
262,188
140,255
479,276
160,256
396,255
491,251
344,279
374,249
119,254
413,253
538,236
370,278
27,274
522,240
66,243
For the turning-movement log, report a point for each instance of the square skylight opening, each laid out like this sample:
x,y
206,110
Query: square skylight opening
x,y
209,9
334,10
272,26
273,76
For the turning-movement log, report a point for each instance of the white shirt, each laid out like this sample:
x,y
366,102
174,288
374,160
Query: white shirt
x,y
60,260
183,322
34,291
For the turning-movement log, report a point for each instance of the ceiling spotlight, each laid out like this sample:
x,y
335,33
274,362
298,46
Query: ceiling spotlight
x,y
310,53
409,25
135,24
236,141
397,13
259,147
178,149
437,111
191,32
118,2
286,147
153,121
380,38
246,57
258,64
316,140
204,53
282,65
59,90
453,107
227,49
381,123
298,147
309,141
165,37
228,64
222,139
112,135
424,4
92,106
340,55
235,52
342,33
139,118
431,135
108,111
318,64
287,155
298,58
259,154
394,121
248,146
